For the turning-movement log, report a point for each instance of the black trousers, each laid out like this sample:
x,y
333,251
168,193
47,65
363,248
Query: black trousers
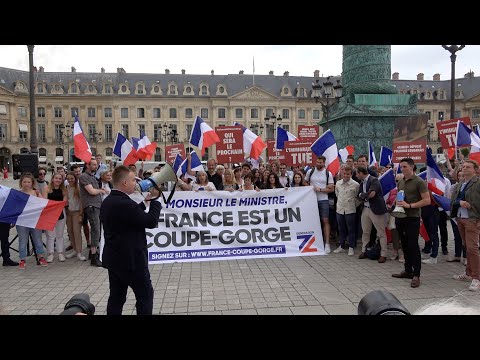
x,y
4,233
408,229
141,285
442,225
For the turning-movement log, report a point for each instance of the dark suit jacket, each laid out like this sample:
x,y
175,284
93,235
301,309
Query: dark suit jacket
x,y
124,222
377,204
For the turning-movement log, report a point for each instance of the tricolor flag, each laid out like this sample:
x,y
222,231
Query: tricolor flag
x,y
423,175
443,202
195,165
177,163
125,150
282,136
145,149
347,150
252,144
385,156
475,150
19,208
451,153
435,180
372,160
80,143
466,137
388,183
203,136
423,231
326,146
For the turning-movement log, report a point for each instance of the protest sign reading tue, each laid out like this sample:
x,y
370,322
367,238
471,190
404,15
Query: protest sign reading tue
x,y
173,150
447,131
223,225
298,153
230,147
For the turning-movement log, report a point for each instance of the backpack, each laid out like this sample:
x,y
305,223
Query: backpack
x,y
332,197
373,251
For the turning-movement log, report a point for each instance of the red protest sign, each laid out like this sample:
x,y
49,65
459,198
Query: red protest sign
x,y
447,131
298,153
230,147
172,151
273,154
308,132
410,138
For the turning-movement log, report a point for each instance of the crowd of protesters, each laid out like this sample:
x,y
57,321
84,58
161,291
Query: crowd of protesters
x,y
351,207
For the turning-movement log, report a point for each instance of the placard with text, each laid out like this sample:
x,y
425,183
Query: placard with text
x,y
173,150
308,132
447,131
230,147
410,138
298,153
273,154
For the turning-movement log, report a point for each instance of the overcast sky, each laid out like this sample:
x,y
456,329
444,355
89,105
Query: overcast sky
x,y
299,60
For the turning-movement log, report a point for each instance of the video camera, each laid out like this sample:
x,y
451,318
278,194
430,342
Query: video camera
x,y
79,303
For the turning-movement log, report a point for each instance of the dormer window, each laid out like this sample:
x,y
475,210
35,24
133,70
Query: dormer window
x,y
204,90
188,89
156,89
302,92
108,89
140,89
40,88
57,87
221,89
90,88
74,88
172,89
285,91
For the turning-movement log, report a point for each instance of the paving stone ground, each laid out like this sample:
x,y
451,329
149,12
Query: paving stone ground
x,y
315,285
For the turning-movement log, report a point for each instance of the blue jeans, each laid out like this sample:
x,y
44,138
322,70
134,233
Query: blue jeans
x,y
23,234
346,228
460,250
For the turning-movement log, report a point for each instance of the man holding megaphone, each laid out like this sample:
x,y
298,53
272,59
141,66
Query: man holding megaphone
x,y
416,195
125,252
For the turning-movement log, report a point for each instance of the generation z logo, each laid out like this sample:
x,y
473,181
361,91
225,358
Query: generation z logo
x,y
307,239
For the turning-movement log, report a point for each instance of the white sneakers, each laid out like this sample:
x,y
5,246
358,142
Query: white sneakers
x,y
50,258
81,257
463,277
327,249
338,250
61,257
430,260
351,252
71,255
475,285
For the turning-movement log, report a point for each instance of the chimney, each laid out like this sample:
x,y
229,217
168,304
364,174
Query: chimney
x,y
286,73
470,74
73,69
183,71
420,76
270,72
121,71
102,70
41,69
395,76
212,72
316,73
436,77
167,71
241,72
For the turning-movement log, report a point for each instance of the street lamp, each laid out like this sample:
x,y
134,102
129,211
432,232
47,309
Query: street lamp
x,y
66,136
33,126
328,88
96,137
453,49
275,121
257,129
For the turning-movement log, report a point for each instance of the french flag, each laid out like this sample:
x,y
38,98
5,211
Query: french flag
x,y
466,137
19,208
435,180
475,150
252,144
125,150
347,150
177,163
443,202
196,165
423,175
326,146
372,160
80,143
388,183
145,149
385,156
282,136
203,136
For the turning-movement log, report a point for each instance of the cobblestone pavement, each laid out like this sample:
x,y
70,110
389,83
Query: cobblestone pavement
x,y
322,285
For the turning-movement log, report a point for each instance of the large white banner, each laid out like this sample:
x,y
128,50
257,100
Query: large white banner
x,y
223,225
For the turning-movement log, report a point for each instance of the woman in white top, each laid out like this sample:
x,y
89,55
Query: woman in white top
x,y
105,183
202,183
74,217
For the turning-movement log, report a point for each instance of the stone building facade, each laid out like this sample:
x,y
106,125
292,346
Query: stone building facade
x,y
108,103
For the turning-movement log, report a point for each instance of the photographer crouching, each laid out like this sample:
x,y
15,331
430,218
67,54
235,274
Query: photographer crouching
x,y
125,252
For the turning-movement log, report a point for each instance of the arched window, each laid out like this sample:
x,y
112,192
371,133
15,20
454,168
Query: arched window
x,y
40,87
74,88
42,152
204,89
158,154
172,89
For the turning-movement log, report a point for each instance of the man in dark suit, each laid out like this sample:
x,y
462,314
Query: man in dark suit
x,y
125,252
374,210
